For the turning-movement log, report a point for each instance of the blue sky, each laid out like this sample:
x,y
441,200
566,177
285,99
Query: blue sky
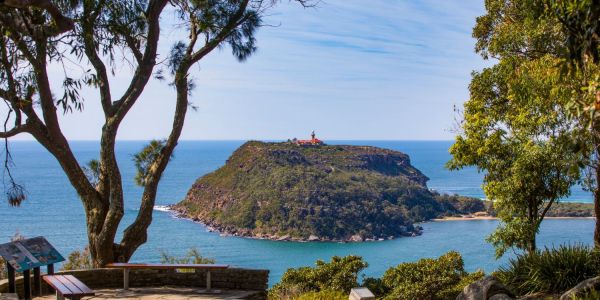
x,y
377,69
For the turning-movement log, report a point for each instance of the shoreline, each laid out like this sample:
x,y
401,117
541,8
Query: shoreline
x,y
477,218
213,228
354,239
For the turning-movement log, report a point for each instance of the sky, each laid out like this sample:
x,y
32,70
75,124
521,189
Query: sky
x,y
350,70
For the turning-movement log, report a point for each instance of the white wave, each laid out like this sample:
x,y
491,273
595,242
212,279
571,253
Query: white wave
x,y
164,208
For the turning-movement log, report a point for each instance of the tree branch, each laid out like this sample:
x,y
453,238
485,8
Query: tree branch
x,y
16,130
146,65
62,23
90,51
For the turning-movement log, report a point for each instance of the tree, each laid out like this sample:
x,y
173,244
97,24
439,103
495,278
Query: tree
x,y
517,130
534,101
40,33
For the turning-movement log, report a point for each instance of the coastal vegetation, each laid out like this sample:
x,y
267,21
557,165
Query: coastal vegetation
x,y
543,273
79,260
344,193
529,123
550,271
193,256
558,209
90,40
338,275
441,278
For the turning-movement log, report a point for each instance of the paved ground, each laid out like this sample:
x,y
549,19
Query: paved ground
x,y
163,293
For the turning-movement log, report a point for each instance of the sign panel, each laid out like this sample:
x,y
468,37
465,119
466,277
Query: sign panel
x,y
30,253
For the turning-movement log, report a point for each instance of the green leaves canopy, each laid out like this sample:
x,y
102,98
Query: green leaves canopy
x,y
518,125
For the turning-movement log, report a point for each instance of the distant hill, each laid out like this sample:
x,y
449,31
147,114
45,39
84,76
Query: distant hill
x,y
318,192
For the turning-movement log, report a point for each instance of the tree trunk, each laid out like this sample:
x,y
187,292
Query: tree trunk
x,y
597,204
596,188
532,243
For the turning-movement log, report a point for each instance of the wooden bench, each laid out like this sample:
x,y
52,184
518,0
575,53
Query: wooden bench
x,y
67,286
131,266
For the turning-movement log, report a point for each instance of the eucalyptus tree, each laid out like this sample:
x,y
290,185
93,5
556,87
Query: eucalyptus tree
x,y
515,130
99,35
522,125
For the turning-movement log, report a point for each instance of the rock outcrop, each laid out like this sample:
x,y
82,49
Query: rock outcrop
x,y
488,288
582,289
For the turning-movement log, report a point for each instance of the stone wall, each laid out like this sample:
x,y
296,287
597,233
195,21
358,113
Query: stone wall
x,y
232,278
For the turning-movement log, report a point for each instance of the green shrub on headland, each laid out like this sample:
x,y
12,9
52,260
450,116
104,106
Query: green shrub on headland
x,y
550,271
340,274
441,278
323,295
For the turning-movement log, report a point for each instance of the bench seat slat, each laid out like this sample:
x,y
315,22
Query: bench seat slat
x,y
68,285
84,289
74,289
76,286
56,284
166,266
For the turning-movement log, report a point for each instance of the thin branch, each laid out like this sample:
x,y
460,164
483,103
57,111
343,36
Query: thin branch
x,y
62,23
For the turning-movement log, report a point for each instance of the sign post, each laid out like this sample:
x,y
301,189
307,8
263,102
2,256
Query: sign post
x,y
22,256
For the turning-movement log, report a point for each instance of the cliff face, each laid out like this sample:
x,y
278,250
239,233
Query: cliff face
x,y
282,190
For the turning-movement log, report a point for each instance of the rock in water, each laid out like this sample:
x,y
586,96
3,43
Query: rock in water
x,y
313,238
332,192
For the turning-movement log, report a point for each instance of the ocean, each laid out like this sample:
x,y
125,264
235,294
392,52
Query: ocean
x,y
53,210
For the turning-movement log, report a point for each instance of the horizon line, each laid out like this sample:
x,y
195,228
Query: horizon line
x,y
239,140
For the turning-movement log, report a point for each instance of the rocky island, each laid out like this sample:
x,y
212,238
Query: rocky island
x,y
303,190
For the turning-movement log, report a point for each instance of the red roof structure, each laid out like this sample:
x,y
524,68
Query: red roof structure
x,y
313,141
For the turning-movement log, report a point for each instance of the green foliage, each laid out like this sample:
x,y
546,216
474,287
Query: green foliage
x,y
79,260
92,171
376,286
580,20
193,256
517,127
333,192
441,278
571,209
323,295
456,204
145,159
340,274
3,272
553,270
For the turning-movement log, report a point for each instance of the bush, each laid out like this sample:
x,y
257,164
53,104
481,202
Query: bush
x,y
79,260
376,286
193,256
341,275
441,278
550,271
323,295
3,274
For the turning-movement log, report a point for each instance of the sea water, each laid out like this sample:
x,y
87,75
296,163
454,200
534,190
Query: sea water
x,y
52,209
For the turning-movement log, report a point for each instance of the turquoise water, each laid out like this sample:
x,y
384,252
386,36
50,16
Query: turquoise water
x,y
54,210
